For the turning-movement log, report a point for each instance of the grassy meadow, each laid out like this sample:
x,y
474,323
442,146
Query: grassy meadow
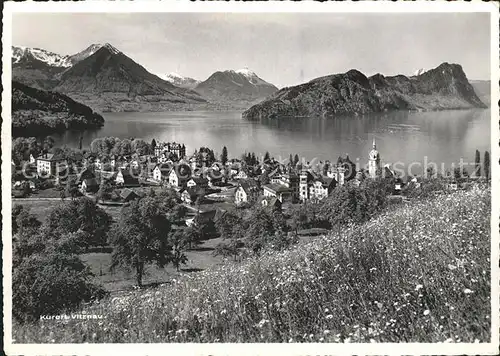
x,y
419,272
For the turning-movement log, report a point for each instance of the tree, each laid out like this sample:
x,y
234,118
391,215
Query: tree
x,y
260,227
153,145
72,188
26,221
140,147
22,147
141,236
350,204
267,157
264,178
105,190
487,165
22,219
48,143
477,171
223,157
253,159
460,173
80,215
179,244
431,172
50,282
193,235
296,160
228,249
226,224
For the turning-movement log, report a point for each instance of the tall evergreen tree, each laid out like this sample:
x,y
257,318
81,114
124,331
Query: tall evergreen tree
x,y
487,164
254,159
296,159
153,144
478,164
223,157
267,157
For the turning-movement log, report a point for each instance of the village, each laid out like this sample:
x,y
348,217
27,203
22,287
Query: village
x,y
203,183
206,185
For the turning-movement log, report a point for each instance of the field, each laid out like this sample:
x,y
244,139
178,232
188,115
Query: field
x,y
41,208
418,273
199,258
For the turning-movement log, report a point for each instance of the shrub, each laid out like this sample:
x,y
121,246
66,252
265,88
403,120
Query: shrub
x,y
50,283
83,216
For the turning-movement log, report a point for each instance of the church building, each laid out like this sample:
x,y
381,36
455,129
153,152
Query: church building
x,y
374,161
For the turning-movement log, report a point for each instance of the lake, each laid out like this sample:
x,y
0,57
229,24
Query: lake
x,y
443,137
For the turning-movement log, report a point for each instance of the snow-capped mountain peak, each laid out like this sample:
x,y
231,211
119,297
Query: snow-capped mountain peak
x,y
420,71
251,76
90,50
111,48
174,75
180,80
50,58
246,72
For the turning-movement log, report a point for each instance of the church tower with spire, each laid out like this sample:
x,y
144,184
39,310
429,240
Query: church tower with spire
x,y
373,161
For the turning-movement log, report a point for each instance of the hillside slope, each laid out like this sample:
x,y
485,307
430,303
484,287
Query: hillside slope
x,y
37,67
242,87
445,87
417,273
111,81
483,90
36,112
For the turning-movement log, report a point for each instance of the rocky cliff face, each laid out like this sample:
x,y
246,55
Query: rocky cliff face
x,y
352,93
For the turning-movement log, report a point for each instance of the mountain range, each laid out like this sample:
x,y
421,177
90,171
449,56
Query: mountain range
x,y
230,86
180,80
444,87
106,79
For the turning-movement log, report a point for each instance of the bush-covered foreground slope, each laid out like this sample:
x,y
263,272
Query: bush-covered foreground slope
x,y
417,273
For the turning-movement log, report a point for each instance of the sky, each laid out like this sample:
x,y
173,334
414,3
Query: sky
x,y
284,49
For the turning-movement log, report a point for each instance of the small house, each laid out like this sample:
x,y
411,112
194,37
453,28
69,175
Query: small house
x,y
241,175
272,203
179,176
199,182
247,191
125,178
128,195
277,191
191,194
89,185
161,172
47,163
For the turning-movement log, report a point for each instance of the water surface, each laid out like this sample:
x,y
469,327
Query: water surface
x,y
442,137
